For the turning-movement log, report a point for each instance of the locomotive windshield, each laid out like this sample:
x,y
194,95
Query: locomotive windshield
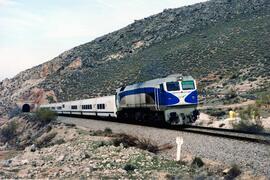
x,y
173,86
188,85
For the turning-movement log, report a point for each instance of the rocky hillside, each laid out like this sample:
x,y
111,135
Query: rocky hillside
x,y
223,43
66,151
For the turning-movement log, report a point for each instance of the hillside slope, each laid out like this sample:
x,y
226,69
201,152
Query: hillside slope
x,y
223,43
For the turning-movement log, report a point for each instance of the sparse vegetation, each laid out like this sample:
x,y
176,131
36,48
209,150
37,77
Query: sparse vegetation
x,y
250,120
45,140
197,162
250,113
129,167
233,172
50,99
263,100
141,143
15,111
105,132
8,131
45,116
215,112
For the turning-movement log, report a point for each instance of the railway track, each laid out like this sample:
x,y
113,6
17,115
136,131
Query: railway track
x,y
262,138
255,137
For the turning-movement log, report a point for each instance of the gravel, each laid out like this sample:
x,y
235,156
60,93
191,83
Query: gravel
x,y
253,157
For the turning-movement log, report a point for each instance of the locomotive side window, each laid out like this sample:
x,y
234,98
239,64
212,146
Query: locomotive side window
x,y
188,85
173,86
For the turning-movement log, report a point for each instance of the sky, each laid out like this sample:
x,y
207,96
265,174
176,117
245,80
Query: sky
x,y
35,31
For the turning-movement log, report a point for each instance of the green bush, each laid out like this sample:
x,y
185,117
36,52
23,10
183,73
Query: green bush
x,y
231,94
197,162
15,111
215,112
248,126
8,131
250,120
263,100
45,116
129,167
106,132
251,112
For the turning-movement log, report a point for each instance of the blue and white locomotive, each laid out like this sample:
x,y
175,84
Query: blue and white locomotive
x,y
173,99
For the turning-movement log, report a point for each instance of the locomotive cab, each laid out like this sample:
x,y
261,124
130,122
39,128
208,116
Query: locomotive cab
x,y
179,100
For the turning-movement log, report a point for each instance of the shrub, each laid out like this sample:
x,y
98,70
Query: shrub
x,y
263,100
15,111
252,112
216,112
105,132
129,167
50,99
245,125
45,116
250,120
141,143
8,131
45,140
233,172
197,162
231,94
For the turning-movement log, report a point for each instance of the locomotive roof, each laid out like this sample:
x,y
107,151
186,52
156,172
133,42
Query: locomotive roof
x,y
155,82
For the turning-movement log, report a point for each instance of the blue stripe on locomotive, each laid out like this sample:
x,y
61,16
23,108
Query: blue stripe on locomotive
x,y
192,98
165,98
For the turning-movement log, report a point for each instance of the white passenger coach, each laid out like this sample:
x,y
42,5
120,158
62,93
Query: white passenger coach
x,y
100,106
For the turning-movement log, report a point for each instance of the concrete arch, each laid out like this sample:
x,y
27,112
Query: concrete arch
x,y
26,108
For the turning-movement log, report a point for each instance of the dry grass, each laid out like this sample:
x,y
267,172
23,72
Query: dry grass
x,y
141,143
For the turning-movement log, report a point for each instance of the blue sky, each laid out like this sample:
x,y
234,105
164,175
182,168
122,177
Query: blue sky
x,y
35,31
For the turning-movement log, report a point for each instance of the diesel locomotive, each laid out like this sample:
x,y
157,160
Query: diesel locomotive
x,y
172,99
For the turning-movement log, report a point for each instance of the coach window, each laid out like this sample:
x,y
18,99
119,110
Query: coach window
x,y
173,86
101,106
74,107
